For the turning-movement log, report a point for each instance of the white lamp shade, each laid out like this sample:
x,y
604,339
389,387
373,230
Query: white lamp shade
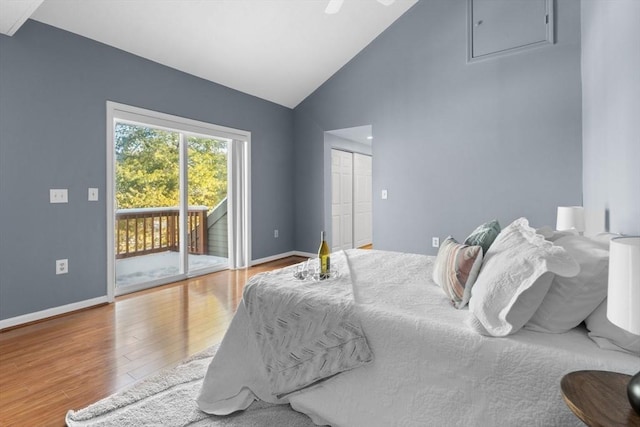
x,y
623,306
570,218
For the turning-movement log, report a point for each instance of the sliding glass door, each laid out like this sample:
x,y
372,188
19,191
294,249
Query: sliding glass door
x,y
171,213
147,200
207,185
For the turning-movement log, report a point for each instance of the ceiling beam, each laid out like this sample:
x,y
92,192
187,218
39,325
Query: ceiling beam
x,y
14,13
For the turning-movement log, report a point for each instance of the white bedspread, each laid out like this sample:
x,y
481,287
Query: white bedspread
x,y
430,368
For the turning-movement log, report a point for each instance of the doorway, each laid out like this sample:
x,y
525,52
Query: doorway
x,y
351,204
348,201
177,204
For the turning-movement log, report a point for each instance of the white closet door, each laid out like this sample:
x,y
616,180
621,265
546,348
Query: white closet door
x,y
362,200
341,200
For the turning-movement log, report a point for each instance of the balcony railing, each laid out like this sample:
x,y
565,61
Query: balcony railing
x,y
150,230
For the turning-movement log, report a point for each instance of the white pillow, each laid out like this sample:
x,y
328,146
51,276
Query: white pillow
x,y
571,299
552,235
512,281
609,336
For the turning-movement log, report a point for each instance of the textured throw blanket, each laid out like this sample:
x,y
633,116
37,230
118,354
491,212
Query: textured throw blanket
x,y
306,330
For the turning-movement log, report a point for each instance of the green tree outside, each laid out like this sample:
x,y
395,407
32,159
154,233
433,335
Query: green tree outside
x,y
147,168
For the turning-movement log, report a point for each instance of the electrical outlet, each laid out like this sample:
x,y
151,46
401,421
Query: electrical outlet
x,y
62,266
275,234
435,242
384,195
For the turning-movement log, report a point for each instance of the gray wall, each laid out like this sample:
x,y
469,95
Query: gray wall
x,y
455,144
611,115
53,89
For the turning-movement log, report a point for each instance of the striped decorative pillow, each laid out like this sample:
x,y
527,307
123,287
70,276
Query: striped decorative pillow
x,y
484,235
456,269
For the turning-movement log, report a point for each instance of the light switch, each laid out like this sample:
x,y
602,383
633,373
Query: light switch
x,y
58,195
384,194
93,194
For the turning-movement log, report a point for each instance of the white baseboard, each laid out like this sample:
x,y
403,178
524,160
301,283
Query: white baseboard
x,y
306,254
282,255
51,312
56,311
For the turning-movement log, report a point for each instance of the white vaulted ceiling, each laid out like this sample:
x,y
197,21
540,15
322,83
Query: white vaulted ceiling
x,y
278,50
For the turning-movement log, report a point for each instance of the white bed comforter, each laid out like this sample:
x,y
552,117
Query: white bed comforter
x,y
430,367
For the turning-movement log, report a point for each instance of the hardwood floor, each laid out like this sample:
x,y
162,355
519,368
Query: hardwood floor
x,y
71,361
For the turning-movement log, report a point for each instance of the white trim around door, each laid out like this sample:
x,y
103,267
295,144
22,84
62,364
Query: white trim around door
x,y
125,113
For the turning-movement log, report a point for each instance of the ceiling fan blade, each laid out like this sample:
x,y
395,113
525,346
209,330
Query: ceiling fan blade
x,y
334,6
386,2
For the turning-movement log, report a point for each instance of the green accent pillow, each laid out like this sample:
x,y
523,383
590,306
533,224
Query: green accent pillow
x,y
484,235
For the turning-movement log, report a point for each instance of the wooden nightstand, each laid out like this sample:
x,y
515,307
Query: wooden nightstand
x,y
599,398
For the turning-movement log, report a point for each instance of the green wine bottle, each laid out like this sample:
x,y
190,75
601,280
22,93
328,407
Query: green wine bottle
x,y
324,258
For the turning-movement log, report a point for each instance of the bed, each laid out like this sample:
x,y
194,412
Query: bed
x,y
431,363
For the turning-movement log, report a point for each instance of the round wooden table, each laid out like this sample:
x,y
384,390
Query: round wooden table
x,y
599,398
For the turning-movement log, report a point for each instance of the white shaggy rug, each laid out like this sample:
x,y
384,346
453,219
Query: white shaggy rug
x,y
168,399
